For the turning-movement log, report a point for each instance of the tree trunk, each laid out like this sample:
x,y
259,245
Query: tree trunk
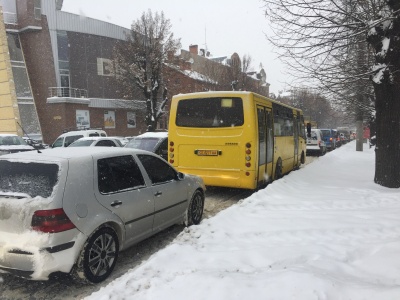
x,y
387,150
359,135
359,125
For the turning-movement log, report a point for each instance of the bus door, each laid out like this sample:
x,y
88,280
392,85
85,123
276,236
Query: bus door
x,y
296,128
265,144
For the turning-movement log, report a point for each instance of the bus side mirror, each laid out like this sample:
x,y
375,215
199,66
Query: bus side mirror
x,y
308,130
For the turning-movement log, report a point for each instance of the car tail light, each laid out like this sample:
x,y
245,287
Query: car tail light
x,y
51,221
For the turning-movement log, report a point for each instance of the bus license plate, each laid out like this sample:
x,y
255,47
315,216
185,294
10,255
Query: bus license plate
x,y
207,152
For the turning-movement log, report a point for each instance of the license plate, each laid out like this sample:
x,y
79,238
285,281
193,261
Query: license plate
x,y
207,152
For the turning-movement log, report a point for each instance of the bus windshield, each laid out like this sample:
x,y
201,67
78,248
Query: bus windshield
x,y
210,112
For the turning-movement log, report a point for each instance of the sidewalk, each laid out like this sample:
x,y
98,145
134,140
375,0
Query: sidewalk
x,y
325,231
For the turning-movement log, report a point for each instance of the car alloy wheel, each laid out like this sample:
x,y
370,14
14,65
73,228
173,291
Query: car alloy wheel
x,y
99,256
195,209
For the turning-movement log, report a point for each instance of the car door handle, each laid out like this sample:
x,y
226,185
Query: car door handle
x,y
116,203
158,194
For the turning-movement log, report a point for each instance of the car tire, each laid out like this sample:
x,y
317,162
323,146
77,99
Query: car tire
x,y
98,256
195,209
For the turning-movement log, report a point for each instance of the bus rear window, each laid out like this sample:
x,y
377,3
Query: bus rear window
x,y
210,112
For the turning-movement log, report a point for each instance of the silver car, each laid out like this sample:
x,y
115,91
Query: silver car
x,y
73,209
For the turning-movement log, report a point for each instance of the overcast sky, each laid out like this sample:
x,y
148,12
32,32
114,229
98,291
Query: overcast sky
x,y
225,26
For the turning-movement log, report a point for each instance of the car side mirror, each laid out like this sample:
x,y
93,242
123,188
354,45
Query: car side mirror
x,y
181,176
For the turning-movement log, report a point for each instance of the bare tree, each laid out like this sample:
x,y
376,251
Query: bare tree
x,y
318,36
246,66
315,106
139,61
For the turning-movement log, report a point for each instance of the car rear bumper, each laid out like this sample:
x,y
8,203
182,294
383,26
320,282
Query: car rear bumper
x,y
314,149
37,262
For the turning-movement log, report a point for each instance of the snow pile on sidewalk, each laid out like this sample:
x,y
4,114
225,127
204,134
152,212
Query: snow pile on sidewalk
x,y
325,231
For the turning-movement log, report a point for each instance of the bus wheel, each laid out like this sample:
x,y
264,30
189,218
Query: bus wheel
x,y
303,158
278,169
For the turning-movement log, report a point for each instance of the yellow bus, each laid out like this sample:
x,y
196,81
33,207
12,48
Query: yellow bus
x,y
235,139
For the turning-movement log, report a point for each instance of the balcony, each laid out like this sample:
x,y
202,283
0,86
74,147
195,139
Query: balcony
x,y
67,92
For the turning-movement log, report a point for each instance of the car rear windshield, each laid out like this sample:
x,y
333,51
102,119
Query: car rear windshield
x,y
326,133
314,135
148,144
81,143
70,139
34,179
11,140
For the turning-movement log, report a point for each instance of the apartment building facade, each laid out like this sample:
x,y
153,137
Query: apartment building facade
x,y
56,73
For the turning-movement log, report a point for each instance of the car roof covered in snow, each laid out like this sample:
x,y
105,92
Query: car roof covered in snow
x,y
155,134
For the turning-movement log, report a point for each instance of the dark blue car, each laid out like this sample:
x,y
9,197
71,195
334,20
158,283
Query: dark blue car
x,y
329,136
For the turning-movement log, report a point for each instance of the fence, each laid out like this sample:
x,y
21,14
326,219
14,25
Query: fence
x,y
67,92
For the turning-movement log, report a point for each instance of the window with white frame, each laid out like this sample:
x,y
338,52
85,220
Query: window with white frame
x,y
38,9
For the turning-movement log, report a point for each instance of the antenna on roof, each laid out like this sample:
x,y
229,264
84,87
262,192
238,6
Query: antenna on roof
x,y
33,145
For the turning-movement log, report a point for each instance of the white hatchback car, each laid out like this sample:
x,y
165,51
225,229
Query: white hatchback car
x,y
73,209
315,143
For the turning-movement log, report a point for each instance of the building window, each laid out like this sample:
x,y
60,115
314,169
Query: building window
x,y
62,46
63,62
21,81
38,9
26,105
14,48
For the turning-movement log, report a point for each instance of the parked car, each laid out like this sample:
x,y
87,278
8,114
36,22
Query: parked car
x,y
315,143
156,142
338,140
329,137
122,140
344,134
71,210
35,143
67,138
343,138
96,142
12,143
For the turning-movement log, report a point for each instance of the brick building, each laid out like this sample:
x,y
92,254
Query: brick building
x,y
56,73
